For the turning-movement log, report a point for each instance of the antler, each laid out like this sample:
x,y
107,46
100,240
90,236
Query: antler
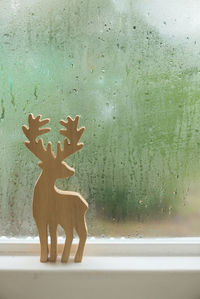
x,y
34,130
73,135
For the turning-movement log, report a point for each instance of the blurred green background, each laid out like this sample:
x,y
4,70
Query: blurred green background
x,y
131,70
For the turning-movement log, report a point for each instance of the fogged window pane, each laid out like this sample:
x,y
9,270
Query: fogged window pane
x,y
131,69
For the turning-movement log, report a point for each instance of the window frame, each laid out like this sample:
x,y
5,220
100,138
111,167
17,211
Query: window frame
x,y
187,246
143,268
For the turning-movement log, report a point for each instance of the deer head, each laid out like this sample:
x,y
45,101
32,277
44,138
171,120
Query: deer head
x,y
49,163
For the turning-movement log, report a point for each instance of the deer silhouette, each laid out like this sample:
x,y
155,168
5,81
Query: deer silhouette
x,y
51,206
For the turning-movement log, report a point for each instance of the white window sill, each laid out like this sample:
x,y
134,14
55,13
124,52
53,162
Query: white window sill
x,y
141,268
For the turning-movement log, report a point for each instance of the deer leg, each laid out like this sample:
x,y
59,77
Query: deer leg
x,y
53,248
82,233
42,231
68,244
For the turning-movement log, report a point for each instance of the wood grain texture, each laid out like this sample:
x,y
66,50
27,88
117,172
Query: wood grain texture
x,y
51,206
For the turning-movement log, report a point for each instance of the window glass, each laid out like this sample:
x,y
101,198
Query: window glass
x,y
131,70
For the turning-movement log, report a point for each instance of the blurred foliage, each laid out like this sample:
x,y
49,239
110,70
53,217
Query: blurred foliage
x,y
136,90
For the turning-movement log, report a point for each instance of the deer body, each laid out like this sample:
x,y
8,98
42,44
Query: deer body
x,y
49,200
52,206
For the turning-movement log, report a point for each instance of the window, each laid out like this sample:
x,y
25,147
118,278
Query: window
x,y
131,70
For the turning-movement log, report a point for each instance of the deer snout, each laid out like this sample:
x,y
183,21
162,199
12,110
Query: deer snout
x,y
67,171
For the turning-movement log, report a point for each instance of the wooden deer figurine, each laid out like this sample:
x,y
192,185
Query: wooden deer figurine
x,y
52,206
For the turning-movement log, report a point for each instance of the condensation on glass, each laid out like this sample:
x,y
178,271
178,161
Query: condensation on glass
x,y
131,70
